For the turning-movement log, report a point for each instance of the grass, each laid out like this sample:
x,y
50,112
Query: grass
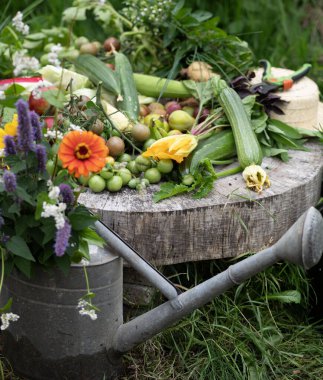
x,y
240,335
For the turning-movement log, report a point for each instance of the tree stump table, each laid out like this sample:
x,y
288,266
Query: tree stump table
x,y
231,220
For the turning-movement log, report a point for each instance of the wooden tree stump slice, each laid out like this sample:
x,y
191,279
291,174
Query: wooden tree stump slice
x,y
231,220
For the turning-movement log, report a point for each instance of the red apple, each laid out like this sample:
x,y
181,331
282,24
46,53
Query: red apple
x,y
36,102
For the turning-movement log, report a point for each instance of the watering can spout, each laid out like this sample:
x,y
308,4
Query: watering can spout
x,y
302,244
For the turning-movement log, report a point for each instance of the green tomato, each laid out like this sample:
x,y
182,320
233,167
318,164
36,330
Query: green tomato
x,y
106,173
125,175
125,157
133,167
165,166
142,163
153,175
114,184
133,183
145,182
148,143
84,180
50,167
97,184
54,150
188,179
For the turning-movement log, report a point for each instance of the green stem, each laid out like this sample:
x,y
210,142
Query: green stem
x,y
2,268
86,280
221,162
228,172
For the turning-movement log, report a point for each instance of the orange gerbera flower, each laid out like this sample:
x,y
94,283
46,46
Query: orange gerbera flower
x,y
82,152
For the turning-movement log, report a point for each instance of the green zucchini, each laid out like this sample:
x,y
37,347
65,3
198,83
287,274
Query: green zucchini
x,y
247,145
219,146
129,103
97,72
149,85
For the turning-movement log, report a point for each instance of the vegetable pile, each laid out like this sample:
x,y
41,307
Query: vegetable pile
x,y
173,108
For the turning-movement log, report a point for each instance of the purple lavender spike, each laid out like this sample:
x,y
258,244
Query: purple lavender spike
x,y
67,194
25,131
34,118
41,157
10,145
61,240
10,182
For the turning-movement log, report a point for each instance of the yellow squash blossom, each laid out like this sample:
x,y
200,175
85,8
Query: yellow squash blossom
x,y
175,147
9,129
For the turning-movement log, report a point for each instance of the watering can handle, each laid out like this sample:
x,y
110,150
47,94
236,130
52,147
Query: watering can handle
x,y
123,249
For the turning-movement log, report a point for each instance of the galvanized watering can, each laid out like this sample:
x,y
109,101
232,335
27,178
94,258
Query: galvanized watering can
x,y
52,341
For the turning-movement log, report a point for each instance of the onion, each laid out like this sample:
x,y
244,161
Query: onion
x,y
199,71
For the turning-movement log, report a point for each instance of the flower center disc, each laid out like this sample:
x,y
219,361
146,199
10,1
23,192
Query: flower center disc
x,y
82,151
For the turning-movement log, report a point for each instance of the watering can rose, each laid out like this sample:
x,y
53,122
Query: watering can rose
x,y
175,147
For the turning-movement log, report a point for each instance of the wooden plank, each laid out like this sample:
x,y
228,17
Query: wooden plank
x,y
230,221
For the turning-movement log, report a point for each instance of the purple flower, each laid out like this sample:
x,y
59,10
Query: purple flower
x,y
41,157
10,182
10,145
66,193
25,132
61,240
34,118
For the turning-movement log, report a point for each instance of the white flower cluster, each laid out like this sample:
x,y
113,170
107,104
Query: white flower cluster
x,y
74,127
2,95
101,2
6,318
22,62
50,134
53,55
19,24
57,210
85,308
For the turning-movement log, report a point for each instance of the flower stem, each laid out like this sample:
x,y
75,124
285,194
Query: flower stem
x,y
228,172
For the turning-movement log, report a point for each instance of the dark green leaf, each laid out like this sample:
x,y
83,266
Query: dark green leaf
x,y
54,97
7,306
284,129
24,222
84,249
15,163
80,218
22,194
92,237
287,296
41,198
64,263
270,152
17,246
169,189
23,265
49,230
14,90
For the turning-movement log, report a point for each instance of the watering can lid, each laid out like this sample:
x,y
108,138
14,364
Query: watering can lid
x,y
99,256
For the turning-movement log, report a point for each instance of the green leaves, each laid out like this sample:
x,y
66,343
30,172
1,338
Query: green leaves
x,y
17,246
170,189
287,296
81,218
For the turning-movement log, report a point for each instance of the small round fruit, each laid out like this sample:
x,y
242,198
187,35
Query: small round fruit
x,y
125,175
81,41
165,166
116,146
188,180
97,184
97,44
153,175
154,106
132,166
114,184
180,120
140,132
133,183
89,48
125,157
97,127
50,167
189,110
148,143
109,160
174,132
111,43
106,173
84,180
144,110
142,163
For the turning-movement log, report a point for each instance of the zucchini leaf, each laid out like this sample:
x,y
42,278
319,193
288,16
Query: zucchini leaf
x,y
170,189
